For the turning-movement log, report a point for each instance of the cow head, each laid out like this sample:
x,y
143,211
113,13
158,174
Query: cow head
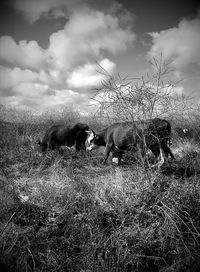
x,y
92,141
42,145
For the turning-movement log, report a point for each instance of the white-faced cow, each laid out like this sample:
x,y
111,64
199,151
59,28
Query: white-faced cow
x,y
60,135
190,133
119,137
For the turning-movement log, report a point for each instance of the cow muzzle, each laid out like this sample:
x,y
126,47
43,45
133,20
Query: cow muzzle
x,y
89,148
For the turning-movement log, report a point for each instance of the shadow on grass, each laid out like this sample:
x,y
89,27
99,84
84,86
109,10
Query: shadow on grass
x,y
26,214
184,167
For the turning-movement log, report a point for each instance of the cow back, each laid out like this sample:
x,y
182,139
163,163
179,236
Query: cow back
x,y
65,134
123,135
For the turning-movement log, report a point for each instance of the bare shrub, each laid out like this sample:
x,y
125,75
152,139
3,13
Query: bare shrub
x,y
152,95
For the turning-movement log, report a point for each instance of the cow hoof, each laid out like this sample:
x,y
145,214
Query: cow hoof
x,y
115,161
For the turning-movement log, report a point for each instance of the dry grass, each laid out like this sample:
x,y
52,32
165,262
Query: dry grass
x,y
77,215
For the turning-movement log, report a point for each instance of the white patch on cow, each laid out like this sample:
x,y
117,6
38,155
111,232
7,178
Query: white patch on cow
x,y
89,145
90,137
115,160
23,198
185,130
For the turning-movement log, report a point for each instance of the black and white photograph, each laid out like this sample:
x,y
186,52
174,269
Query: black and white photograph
x,y
99,136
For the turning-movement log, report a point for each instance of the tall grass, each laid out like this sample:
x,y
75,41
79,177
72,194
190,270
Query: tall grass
x,y
73,214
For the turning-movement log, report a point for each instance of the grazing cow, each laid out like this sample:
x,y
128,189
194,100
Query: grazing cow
x,y
59,135
190,133
181,132
162,129
134,136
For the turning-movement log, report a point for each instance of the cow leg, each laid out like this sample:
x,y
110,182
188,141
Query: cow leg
x,y
117,156
159,154
162,159
83,147
155,149
61,150
77,146
120,154
141,148
52,145
107,152
169,141
167,150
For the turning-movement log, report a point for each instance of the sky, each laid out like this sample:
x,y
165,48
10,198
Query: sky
x,y
51,51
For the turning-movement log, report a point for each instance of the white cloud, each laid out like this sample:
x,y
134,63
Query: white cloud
x,y
181,44
10,78
64,97
40,96
31,89
25,54
90,75
26,94
54,78
85,36
40,77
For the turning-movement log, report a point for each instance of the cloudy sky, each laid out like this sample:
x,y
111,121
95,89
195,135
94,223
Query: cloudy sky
x,y
50,50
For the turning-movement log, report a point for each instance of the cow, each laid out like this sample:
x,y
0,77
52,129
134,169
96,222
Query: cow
x,y
181,132
152,134
59,135
161,128
189,133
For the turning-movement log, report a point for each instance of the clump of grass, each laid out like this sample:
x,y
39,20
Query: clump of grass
x,y
108,224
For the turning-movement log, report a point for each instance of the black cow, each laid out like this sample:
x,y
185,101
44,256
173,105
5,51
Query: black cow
x,y
59,135
161,128
117,138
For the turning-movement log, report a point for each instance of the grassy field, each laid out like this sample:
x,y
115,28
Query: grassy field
x,y
70,213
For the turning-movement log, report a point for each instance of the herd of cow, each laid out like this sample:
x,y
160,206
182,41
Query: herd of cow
x,y
153,135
